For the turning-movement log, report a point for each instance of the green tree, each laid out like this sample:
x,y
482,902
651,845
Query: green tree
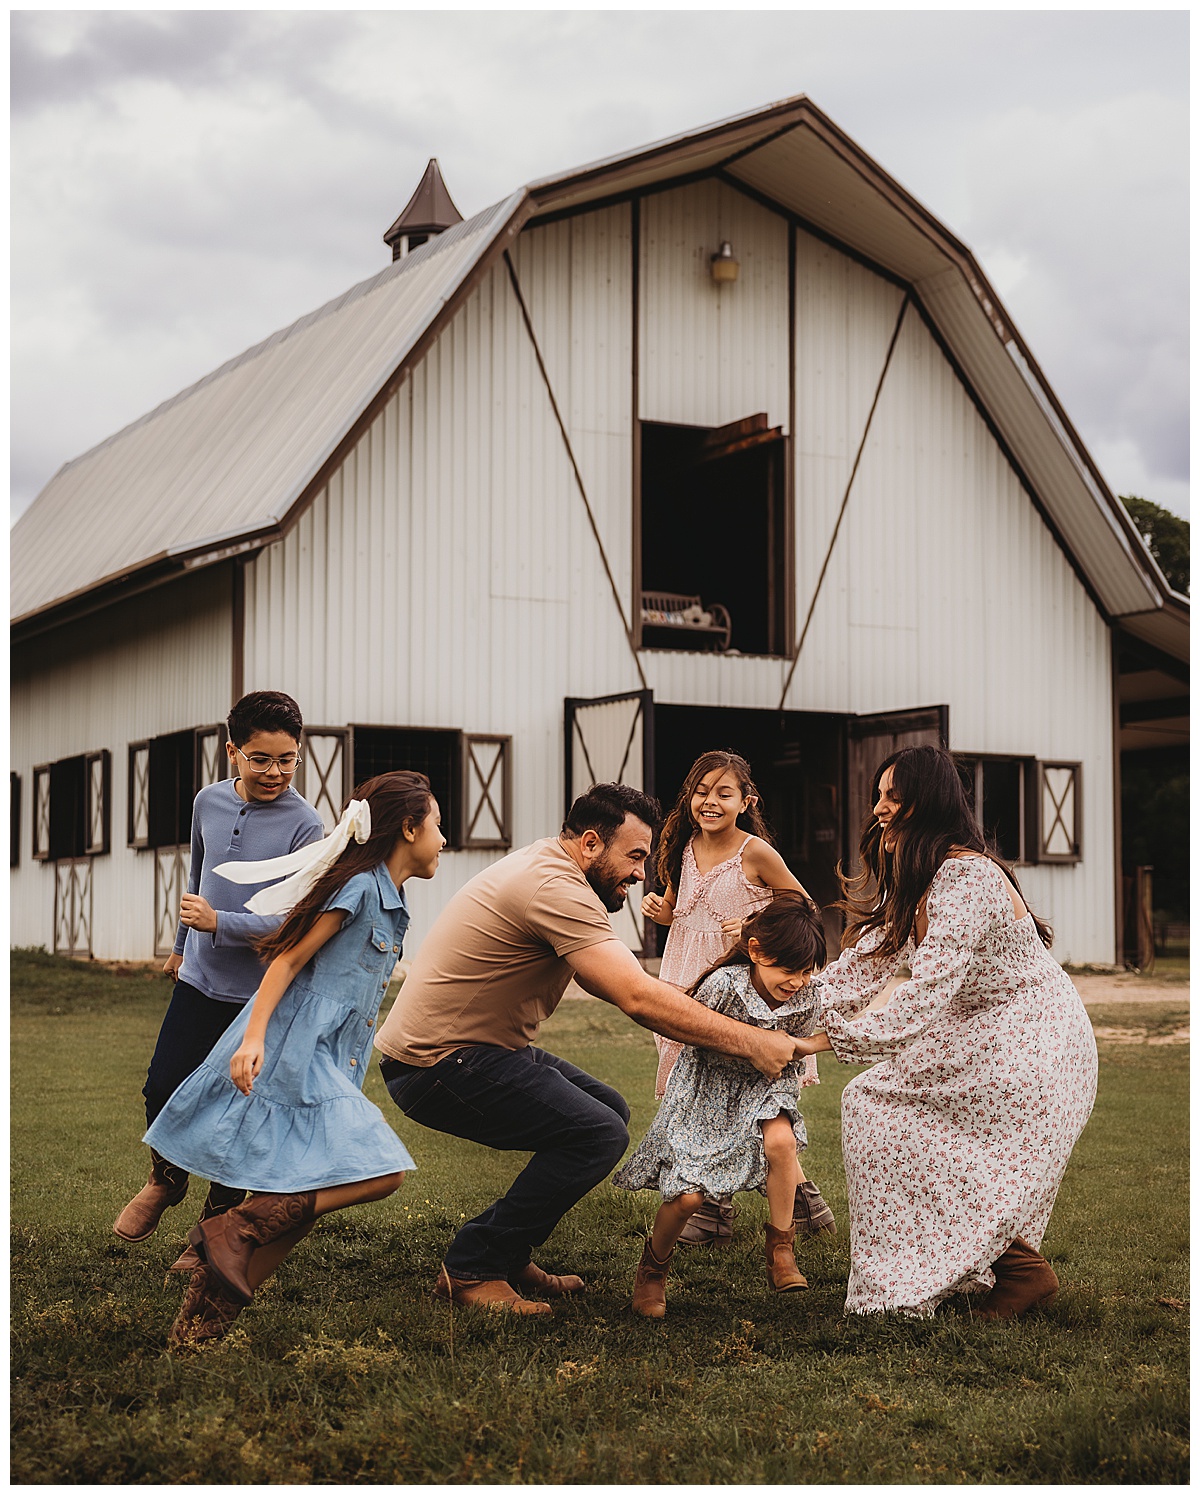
x,y
1168,537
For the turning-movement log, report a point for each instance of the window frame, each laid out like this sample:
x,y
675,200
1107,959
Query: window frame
x,y
41,811
91,820
14,818
132,839
1075,855
501,764
1027,829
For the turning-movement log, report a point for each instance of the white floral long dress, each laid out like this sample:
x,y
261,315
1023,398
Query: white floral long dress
x,y
956,1140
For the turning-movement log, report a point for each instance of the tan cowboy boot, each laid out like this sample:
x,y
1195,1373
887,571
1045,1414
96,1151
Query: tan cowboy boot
x,y
206,1313
493,1293
165,1187
782,1272
1024,1279
228,1241
532,1279
650,1284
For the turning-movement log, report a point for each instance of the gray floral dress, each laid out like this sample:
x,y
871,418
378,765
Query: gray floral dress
x,y
707,1136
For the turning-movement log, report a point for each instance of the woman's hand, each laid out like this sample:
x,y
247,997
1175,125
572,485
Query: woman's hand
x,y
246,1063
656,908
815,1043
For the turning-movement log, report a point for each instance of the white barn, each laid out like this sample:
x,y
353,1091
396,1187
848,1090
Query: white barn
x,y
552,497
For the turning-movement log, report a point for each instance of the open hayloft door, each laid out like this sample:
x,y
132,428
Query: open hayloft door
x,y
610,739
869,740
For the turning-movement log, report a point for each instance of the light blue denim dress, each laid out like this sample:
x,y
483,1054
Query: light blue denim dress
x,y
306,1124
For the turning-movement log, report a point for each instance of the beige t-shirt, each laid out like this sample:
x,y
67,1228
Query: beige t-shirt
x,y
493,967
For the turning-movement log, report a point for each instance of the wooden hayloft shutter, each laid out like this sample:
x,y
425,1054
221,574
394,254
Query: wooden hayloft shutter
x,y
486,791
1060,812
324,776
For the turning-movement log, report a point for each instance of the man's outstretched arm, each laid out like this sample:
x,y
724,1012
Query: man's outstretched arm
x,y
611,972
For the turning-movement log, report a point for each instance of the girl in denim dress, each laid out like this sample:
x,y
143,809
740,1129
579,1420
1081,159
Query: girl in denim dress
x,y
277,1107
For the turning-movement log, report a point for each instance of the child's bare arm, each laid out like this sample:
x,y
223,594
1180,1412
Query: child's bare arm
x,y
280,974
659,907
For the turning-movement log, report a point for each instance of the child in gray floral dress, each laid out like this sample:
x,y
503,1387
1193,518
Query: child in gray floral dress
x,y
723,1127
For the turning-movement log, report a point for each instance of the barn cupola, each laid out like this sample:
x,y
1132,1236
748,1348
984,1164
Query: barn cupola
x,y
429,212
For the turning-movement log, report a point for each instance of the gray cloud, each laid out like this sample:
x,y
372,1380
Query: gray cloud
x,y
184,183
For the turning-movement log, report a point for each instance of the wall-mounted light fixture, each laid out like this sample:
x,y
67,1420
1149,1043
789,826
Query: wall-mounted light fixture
x,y
724,266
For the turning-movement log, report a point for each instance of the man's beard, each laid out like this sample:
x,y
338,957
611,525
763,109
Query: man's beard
x,y
609,886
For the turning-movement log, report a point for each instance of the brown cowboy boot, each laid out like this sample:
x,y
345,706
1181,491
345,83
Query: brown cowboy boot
x,y
650,1284
227,1241
166,1187
218,1200
710,1225
532,1279
493,1293
1024,1279
207,1311
810,1214
782,1272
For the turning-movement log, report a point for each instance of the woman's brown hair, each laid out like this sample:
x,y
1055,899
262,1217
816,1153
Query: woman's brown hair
x,y
680,827
399,801
789,932
934,818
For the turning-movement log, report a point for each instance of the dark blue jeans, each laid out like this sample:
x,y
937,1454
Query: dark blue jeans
x,y
189,1032
524,1100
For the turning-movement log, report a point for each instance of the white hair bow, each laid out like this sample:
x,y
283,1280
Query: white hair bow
x,y
304,866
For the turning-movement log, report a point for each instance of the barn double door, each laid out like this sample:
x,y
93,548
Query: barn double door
x,y
610,740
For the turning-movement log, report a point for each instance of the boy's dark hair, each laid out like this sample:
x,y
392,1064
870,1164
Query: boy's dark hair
x,y
264,711
604,807
789,931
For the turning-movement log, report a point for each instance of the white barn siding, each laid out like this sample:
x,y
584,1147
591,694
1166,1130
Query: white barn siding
x,y
158,663
461,584
945,585
712,354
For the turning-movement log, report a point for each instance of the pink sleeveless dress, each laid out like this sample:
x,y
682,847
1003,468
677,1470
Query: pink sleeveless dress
x,y
695,938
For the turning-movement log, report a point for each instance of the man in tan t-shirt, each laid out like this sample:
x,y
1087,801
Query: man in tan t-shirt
x,y
459,1040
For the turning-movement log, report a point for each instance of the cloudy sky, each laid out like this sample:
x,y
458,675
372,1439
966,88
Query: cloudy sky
x,y
186,182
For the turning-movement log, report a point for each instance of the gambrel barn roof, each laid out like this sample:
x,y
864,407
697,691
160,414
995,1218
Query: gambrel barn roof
x,y
228,464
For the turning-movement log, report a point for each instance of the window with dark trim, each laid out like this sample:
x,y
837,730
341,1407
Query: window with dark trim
x,y
164,775
1060,812
97,793
68,808
41,812
436,752
1001,792
713,537
14,819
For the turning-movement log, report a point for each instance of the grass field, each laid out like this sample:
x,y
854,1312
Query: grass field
x,y
344,1371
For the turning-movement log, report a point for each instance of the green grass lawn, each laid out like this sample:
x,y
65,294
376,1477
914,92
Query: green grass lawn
x,y
344,1370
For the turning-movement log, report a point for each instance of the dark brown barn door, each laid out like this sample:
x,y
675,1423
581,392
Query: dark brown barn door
x,y
869,740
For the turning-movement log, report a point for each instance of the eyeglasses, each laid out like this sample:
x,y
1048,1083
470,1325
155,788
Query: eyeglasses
x,y
260,763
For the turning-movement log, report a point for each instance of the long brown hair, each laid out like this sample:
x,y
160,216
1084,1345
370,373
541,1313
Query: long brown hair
x,y
399,801
934,817
680,826
789,931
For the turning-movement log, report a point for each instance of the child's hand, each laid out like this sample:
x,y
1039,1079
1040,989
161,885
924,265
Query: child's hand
x,y
731,929
197,913
655,907
246,1063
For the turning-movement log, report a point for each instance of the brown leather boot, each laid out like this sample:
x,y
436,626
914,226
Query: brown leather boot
x,y
710,1225
650,1284
1024,1279
782,1272
218,1200
206,1313
810,1214
493,1293
166,1187
532,1279
227,1241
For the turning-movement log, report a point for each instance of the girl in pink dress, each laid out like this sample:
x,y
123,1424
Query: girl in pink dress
x,y
982,1064
718,866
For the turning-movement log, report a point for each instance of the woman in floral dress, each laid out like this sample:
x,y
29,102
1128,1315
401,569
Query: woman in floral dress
x,y
983,1062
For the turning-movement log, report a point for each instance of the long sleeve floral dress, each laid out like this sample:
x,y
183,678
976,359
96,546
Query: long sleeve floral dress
x,y
695,939
957,1138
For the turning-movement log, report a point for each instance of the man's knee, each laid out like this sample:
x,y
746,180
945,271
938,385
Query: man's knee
x,y
613,1139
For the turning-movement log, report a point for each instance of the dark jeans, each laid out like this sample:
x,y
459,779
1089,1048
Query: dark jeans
x,y
524,1100
189,1031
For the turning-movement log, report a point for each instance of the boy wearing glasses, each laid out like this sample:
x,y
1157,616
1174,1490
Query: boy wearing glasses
x,y
216,970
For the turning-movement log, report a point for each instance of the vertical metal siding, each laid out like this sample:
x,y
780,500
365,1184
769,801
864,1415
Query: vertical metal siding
x,y
712,354
157,663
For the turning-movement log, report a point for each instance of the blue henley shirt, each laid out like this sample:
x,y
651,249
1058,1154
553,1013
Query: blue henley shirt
x,y
227,828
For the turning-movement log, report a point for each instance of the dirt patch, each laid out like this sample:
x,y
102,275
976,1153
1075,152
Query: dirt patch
x,y
1124,986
